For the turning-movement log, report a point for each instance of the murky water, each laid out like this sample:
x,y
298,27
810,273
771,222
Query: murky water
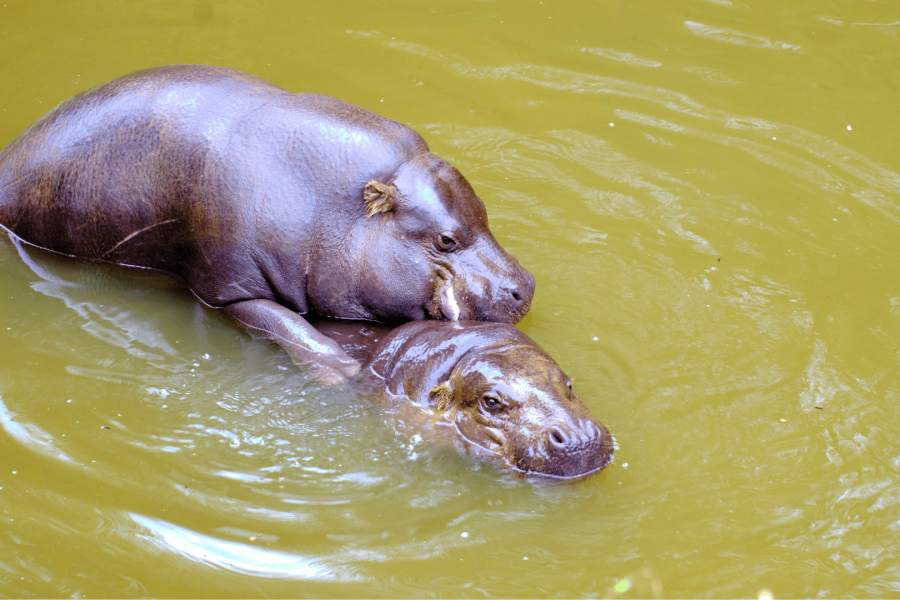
x,y
708,195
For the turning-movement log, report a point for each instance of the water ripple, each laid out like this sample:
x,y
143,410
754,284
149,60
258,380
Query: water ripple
x,y
240,558
624,57
885,182
730,36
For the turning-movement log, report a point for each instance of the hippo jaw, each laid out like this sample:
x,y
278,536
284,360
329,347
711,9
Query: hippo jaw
x,y
518,407
537,461
568,449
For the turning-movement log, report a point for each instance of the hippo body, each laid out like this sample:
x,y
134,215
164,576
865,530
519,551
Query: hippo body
x,y
495,389
266,203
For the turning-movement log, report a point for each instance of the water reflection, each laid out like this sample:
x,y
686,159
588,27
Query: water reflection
x,y
238,557
138,334
31,436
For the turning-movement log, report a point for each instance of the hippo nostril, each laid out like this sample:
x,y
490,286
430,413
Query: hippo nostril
x,y
558,438
517,296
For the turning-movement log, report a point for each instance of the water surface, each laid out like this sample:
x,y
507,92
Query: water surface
x,y
708,195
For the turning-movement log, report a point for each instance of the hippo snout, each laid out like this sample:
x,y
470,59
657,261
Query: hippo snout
x,y
511,298
568,450
522,290
563,443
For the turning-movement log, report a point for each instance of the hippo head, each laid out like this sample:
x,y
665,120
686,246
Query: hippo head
x,y
424,251
515,402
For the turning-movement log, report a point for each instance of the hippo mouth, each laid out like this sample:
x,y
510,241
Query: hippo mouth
x,y
499,452
519,313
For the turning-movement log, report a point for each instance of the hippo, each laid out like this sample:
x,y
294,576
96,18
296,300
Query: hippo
x,y
490,387
268,204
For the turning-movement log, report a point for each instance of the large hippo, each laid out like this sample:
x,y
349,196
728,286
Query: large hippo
x,y
489,386
268,204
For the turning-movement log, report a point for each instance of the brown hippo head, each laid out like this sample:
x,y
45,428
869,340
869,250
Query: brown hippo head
x,y
500,392
424,251
517,404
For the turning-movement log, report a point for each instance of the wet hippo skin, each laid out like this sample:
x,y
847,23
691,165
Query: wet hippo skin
x,y
268,204
494,389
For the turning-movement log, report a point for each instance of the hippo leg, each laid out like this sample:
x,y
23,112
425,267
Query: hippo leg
x,y
308,348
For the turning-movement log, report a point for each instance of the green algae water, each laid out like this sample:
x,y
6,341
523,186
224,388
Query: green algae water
x,y
708,194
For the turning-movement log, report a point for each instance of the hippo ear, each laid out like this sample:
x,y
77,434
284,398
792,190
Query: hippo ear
x,y
379,197
440,395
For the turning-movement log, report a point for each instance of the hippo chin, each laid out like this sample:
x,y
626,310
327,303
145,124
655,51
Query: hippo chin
x,y
268,204
499,392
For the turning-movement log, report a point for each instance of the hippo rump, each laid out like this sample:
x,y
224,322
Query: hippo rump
x,y
493,388
268,204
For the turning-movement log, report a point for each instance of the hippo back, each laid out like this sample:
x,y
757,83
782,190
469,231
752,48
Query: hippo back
x,y
209,173
416,357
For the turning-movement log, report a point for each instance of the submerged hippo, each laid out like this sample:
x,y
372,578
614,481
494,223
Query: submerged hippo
x,y
268,204
495,390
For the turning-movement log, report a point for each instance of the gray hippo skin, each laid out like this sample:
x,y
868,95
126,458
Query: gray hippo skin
x,y
268,204
496,391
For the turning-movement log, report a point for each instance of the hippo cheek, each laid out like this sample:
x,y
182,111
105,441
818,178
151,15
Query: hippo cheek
x,y
564,450
395,284
479,432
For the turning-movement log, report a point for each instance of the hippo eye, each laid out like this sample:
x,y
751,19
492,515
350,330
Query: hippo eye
x,y
491,403
569,385
446,243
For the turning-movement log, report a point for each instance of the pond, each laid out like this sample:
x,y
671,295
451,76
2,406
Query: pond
x,y
708,196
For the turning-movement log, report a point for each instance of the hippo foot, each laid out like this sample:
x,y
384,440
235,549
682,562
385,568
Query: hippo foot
x,y
331,370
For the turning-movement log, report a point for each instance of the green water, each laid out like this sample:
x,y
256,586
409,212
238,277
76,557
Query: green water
x,y
708,195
